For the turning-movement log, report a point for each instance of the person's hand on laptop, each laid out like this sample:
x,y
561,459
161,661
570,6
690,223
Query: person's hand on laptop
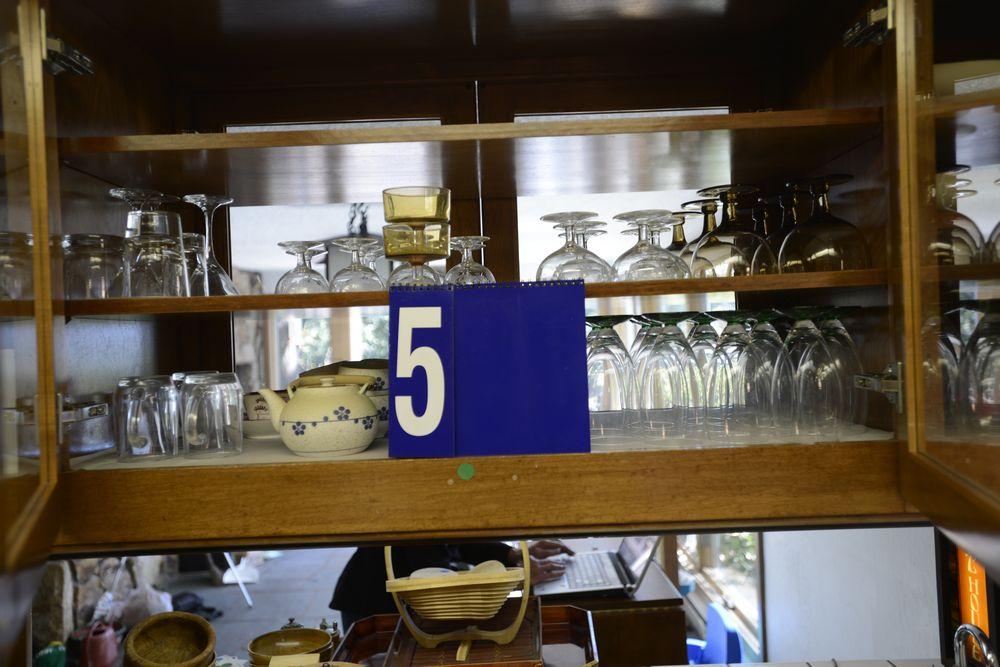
x,y
546,570
542,549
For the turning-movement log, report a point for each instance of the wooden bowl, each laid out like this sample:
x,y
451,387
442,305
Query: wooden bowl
x,y
174,638
290,641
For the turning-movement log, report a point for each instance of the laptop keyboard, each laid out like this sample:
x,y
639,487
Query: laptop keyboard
x,y
587,570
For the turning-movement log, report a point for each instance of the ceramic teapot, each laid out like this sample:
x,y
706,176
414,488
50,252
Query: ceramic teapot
x,y
325,415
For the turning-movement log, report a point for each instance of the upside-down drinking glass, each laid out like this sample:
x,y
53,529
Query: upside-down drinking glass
x,y
302,279
733,248
583,264
668,332
358,276
610,379
823,242
215,280
469,271
645,260
93,266
854,401
16,266
727,413
957,239
157,267
564,221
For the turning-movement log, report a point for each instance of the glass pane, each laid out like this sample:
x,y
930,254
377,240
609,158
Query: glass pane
x,y
958,238
18,358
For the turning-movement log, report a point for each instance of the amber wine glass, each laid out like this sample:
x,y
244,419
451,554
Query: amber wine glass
x,y
418,230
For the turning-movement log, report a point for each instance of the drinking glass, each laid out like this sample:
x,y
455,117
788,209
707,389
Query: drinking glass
x,y
761,359
668,332
212,414
942,376
147,418
16,266
806,391
733,248
788,201
194,256
407,274
663,396
358,276
157,267
957,239
644,260
979,375
610,379
823,242
992,252
854,401
303,279
581,263
703,338
215,280
93,266
469,271
145,213
565,221
727,413
418,231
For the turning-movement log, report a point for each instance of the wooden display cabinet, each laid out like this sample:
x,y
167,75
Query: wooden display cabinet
x,y
169,78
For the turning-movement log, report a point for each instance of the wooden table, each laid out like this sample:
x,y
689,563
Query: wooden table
x,y
645,629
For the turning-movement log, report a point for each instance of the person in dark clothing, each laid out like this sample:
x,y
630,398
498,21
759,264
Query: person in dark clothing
x,y
360,591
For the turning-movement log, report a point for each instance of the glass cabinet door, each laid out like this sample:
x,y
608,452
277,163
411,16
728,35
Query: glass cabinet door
x,y
949,106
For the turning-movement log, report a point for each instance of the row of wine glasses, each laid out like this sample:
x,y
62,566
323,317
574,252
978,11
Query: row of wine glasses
x,y
756,235
768,376
361,275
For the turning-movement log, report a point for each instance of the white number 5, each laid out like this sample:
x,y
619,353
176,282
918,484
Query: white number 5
x,y
426,358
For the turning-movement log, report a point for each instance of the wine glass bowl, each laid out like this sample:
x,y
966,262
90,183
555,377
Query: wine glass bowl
x,y
357,276
302,279
823,242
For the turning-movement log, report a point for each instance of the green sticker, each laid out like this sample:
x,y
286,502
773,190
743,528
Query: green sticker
x,y
466,471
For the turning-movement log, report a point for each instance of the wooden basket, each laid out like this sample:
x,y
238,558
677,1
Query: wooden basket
x,y
462,596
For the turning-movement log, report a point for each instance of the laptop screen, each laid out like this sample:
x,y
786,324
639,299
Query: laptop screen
x,y
636,553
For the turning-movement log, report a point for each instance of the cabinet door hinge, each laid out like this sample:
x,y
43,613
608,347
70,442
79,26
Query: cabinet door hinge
x,y
873,28
888,382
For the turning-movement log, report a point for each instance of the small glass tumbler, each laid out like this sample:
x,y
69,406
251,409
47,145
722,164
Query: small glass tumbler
x,y
94,266
212,414
157,267
146,418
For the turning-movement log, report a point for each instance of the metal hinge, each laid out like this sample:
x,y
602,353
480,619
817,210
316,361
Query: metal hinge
x,y
59,57
888,382
873,28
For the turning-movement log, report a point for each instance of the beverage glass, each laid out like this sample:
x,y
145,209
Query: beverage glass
x,y
157,267
212,415
418,230
93,266
16,272
146,418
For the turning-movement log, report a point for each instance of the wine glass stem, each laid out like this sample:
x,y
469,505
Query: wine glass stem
x,y
467,256
356,258
303,263
207,253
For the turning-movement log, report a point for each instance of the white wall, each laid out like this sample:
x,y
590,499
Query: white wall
x,y
867,594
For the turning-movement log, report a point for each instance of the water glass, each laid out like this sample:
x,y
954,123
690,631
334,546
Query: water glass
x,y
16,273
212,414
146,418
157,267
94,266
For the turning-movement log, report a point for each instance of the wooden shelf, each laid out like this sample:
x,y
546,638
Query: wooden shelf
x,y
504,159
20,309
949,105
223,304
358,501
964,272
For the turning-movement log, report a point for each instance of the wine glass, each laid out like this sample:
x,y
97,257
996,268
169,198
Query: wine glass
x,y
703,339
644,260
302,279
854,401
733,248
610,379
761,359
663,396
357,276
979,375
566,222
727,413
806,391
823,242
215,280
417,233
668,332
581,263
469,271
992,253
957,240
16,266
678,241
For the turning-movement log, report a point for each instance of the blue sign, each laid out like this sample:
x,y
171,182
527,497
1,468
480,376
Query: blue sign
x,y
488,370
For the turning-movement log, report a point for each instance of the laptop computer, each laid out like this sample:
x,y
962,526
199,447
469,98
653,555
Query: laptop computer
x,y
604,572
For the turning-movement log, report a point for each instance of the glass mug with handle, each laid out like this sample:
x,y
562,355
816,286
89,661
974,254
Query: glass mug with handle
x,y
212,414
146,418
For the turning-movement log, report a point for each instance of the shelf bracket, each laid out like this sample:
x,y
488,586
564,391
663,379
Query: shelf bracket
x,y
873,28
889,382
